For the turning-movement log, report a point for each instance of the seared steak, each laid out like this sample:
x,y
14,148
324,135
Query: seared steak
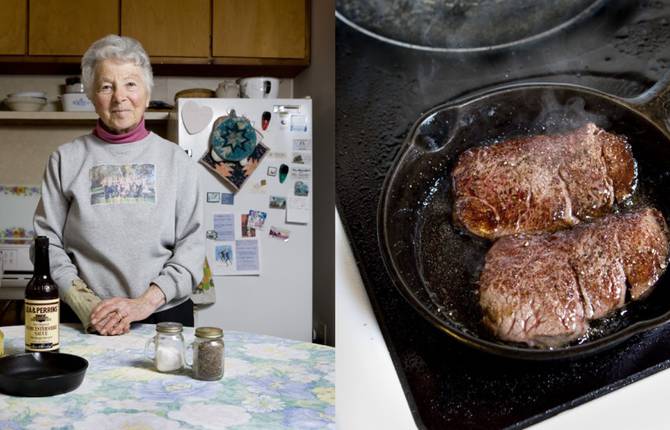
x,y
543,289
542,183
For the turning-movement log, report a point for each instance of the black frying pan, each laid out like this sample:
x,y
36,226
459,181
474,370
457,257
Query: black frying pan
x,y
41,374
436,265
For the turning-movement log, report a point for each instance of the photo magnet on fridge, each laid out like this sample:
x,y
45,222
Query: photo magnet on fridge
x,y
302,157
224,254
301,188
302,144
235,150
227,199
256,219
279,233
247,230
277,202
213,197
298,123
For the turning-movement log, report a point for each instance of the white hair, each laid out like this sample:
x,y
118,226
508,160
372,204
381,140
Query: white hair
x,y
114,47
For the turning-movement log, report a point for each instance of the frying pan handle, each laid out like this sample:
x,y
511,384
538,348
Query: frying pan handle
x,y
655,103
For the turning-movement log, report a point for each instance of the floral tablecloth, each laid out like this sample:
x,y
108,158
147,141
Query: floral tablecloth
x,y
269,383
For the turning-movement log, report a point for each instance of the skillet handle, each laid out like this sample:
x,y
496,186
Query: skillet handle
x,y
655,103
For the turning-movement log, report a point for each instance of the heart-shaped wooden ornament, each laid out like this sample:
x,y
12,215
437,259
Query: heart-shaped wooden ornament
x,y
195,117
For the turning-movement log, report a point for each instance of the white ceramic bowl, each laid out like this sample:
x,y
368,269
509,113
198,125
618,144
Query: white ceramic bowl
x,y
25,104
38,94
76,102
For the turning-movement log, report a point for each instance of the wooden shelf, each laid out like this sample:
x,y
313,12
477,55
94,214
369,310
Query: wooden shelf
x,y
12,117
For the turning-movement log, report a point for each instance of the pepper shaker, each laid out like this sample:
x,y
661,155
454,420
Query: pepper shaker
x,y
208,354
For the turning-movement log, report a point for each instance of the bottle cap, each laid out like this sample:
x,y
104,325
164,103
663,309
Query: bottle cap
x,y
169,327
208,332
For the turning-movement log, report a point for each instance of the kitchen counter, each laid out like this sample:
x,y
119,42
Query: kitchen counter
x,y
269,382
369,391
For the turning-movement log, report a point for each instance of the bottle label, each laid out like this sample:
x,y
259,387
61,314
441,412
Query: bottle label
x,y
42,319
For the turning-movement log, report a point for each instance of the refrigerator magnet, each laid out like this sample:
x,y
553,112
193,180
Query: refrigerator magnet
x,y
245,228
211,234
223,255
279,233
233,138
272,171
297,210
227,198
298,123
299,172
195,117
265,120
302,144
278,155
283,120
261,186
213,197
234,150
303,157
257,218
277,202
283,173
301,189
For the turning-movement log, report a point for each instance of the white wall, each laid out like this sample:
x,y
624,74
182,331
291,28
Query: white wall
x,y
318,81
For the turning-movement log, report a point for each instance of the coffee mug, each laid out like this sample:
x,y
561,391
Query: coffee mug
x,y
259,88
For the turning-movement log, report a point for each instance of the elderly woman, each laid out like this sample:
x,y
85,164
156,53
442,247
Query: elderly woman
x,y
120,205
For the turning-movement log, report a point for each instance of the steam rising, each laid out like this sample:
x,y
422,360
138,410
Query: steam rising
x,y
461,24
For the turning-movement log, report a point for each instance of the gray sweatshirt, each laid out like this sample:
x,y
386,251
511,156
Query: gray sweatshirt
x,y
129,214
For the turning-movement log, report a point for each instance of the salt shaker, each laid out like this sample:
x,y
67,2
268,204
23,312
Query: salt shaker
x,y
168,349
208,358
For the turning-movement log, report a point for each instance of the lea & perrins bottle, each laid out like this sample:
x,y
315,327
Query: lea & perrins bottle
x,y
42,305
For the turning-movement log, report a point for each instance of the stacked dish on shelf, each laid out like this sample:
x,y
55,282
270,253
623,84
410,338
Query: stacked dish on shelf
x,y
26,101
74,98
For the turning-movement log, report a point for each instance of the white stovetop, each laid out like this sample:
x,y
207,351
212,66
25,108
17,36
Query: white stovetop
x,y
369,395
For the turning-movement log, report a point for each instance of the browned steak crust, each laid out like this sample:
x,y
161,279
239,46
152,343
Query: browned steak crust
x,y
542,183
543,289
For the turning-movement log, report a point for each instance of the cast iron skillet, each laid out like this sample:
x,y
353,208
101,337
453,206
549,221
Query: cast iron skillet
x,y
435,265
41,374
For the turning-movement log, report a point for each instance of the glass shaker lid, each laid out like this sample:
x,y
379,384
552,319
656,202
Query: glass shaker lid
x,y
208,332
169,327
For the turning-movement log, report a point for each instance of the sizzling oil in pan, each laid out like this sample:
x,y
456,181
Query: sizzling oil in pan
x,y
450,260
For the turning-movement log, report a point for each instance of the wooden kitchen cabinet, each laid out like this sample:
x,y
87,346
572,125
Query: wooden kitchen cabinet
x,y
168,28
13,14
68,27
276,29
192,38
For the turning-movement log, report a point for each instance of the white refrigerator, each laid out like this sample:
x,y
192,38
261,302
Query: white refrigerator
x,y
255,170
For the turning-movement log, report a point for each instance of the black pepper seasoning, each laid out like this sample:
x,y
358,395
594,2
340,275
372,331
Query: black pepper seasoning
x,y
208,357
